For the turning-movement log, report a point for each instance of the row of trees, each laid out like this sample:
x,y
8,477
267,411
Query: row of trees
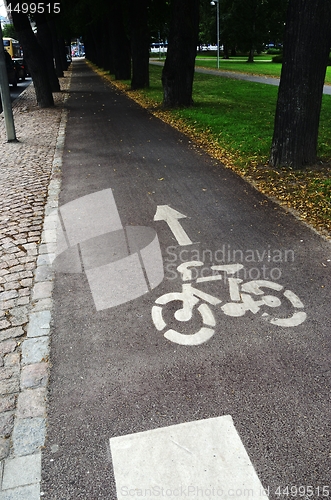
x,y
44,51
117,35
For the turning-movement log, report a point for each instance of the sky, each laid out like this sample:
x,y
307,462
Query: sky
x,y
3,11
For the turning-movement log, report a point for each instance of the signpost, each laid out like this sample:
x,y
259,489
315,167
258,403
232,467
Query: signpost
x,y
5,95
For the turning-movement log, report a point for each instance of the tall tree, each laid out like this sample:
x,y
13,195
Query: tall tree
x,y
56,47
140,41
178,71
249,24
159,19
35,57
306,49
44,37
119,42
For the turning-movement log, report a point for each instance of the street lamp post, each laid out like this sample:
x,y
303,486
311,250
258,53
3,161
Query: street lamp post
x,y
5,95
218,29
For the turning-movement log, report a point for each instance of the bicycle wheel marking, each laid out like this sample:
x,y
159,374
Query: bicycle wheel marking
x,y
295,320
293,298
200,337
249,297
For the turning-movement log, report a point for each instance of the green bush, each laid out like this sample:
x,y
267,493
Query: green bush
x,y
274,51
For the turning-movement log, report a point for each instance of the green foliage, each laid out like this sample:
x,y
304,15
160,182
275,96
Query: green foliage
x,y
8,31
322,188
244,24
159,19
207,28
274,51
247,24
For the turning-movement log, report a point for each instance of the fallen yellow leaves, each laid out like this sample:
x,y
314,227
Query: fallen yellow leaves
x,y
307,192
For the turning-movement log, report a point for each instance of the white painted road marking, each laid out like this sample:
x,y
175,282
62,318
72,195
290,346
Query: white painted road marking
x,y
242,303
201,459
171,216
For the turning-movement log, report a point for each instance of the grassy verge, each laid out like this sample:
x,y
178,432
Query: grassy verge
x,y
233,121
261,66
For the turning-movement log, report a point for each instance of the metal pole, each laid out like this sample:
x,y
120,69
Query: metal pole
x,y
5,95
218,33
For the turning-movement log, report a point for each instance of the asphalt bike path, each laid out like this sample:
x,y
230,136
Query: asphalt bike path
x,y
190,339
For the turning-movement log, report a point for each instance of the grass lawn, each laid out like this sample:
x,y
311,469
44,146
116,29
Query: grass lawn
x,y
258,67
233,121
262,65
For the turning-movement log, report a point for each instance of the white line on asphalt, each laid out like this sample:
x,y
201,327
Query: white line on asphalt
x,y
201,459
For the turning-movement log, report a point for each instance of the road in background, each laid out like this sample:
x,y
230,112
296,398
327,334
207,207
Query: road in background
x,y
15,92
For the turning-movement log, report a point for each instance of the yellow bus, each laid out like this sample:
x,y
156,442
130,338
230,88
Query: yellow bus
x,y
13,47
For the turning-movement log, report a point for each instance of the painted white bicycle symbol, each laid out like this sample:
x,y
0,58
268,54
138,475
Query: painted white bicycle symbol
x,y
241,296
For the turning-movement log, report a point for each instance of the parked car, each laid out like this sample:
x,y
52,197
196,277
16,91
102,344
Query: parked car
x,y
21,69
11,70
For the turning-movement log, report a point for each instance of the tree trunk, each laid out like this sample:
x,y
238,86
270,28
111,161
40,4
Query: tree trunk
x,y
251,55
140,40
44,38
96,54
306,48
178,71
63,52
226,51
56,49
35,59
120,44
106,47
90,44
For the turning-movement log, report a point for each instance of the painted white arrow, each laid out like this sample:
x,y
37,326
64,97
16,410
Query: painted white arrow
x,y
171,216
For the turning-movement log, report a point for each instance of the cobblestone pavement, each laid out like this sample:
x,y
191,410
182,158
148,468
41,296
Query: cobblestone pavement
x,y
29,186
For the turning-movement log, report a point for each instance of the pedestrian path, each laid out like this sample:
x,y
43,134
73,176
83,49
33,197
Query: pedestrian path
x,y
29,171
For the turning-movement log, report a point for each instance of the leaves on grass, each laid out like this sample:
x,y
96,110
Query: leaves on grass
x,y
307,191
